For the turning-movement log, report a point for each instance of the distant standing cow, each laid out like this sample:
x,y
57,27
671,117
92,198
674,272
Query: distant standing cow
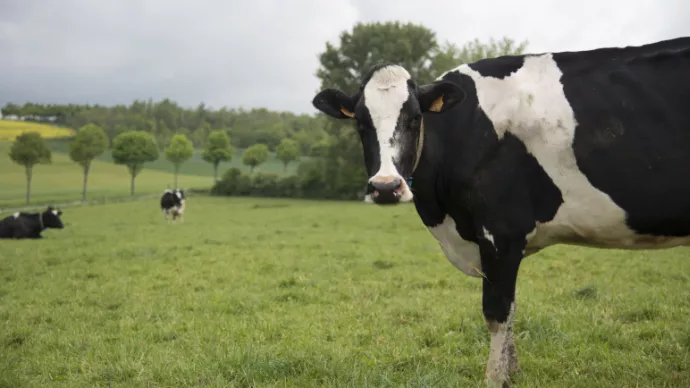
x,y
30,225
173,202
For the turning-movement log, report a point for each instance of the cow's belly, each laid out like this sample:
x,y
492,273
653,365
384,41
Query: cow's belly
x,y
596,222
463,254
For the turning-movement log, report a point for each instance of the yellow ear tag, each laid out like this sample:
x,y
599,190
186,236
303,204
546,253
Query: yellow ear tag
x,y
347,112
437,104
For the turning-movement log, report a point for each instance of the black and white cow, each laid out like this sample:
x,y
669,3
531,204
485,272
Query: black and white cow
x,y
173,202
506,156
22,225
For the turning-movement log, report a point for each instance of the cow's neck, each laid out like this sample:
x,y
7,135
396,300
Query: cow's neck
x,y
447,165
426,179
39,218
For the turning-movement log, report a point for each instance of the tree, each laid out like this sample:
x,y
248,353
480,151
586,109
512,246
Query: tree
x,y
217,150
287,151
179,151
90,142
29,149
133,149
255,155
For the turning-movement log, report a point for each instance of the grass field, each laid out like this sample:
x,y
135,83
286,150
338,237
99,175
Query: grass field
x,y
61,181
10,129
280,293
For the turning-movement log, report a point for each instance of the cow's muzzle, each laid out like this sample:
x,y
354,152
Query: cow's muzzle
x,y
386,190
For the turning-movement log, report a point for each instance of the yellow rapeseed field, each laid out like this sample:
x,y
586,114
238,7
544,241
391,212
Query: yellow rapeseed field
x,y
11,129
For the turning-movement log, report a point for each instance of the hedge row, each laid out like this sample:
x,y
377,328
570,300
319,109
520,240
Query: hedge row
x,y
308,183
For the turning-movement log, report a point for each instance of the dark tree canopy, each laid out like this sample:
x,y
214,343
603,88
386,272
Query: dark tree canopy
x,y
217,150
133,149
29,149
89,143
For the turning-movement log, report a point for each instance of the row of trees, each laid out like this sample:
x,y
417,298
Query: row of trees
x,y
134,149
165,118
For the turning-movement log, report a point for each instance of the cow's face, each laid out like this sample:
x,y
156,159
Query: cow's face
x,y
51,218
179,193
388,111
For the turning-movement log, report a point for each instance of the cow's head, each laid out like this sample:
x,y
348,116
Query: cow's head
x,y
388,112
180,194
51,218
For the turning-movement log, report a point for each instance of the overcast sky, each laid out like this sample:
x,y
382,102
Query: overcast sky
x,y
264,52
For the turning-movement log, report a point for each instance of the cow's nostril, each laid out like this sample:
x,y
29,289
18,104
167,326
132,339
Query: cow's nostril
x,y
387,186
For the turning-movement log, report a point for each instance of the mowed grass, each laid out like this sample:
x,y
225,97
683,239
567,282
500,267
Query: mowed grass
x,y
10,129
61,181
281,293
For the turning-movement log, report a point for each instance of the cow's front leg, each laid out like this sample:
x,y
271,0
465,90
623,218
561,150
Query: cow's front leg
x,y
500,263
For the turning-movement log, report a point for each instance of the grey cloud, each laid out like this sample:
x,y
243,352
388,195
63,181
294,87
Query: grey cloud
x,y
264,53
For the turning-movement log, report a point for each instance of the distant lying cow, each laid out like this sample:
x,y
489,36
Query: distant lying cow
x,y
30,225
172,202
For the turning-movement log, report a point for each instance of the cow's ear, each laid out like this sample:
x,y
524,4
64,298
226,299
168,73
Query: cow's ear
x,y
335,103
439,96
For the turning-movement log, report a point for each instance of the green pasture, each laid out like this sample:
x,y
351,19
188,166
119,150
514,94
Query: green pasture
x,y
287,293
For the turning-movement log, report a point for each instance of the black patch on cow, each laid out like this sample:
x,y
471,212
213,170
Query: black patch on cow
x,y
500,67
633,136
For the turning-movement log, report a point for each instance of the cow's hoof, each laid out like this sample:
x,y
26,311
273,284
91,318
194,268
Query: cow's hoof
x,y
497,383
496,379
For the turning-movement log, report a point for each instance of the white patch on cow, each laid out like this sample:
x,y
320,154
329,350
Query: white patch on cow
x,y
15,215
384,96
502,357
463,254
55,212
177,193
488,236
531,104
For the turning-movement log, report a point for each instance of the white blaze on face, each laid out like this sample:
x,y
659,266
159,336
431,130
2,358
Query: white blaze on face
x,y
16,215
384,96
55,212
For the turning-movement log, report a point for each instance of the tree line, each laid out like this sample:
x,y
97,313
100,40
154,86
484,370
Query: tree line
x,y
164,119
335,169
133,149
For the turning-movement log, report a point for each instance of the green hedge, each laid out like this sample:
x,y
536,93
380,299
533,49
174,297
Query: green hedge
x,y
308,183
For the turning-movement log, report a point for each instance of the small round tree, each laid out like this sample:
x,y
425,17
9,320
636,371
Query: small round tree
x,y
255,155
287,151
133,149
179,151
29,149
89,143
217,150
